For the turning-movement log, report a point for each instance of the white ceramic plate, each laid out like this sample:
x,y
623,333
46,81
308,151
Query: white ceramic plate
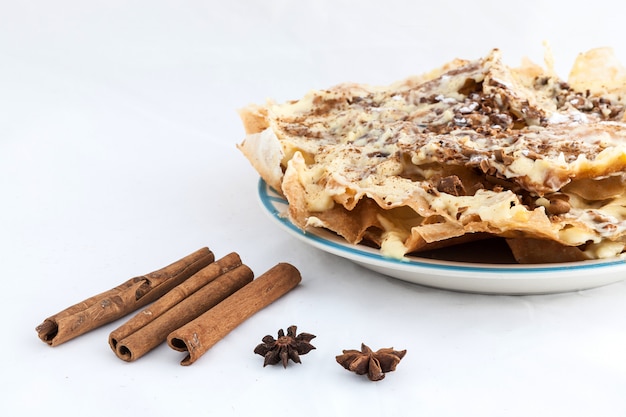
x,y
486,278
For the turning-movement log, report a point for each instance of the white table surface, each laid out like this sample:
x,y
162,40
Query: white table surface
x,y
118,127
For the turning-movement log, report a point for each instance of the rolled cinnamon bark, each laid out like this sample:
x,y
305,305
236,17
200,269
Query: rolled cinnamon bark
x,y
200,334
154,333
117,302
173,297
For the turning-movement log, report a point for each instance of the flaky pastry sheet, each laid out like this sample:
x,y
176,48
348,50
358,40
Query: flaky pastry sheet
x,y
472,149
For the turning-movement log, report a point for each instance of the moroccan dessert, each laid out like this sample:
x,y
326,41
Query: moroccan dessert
x,y
471,150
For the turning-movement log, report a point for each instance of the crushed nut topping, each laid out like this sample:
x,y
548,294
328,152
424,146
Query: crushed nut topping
x,y
366,361
285,347
451,185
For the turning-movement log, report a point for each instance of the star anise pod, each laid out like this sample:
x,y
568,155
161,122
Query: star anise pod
x,y
366,361
285,347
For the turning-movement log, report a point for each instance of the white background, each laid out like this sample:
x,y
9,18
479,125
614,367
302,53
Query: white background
x,y
118,127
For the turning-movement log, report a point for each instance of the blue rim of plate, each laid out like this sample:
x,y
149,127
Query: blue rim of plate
x,y
270,199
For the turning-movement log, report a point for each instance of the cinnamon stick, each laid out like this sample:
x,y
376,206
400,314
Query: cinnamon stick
x,y
137,344
117,302
199,335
